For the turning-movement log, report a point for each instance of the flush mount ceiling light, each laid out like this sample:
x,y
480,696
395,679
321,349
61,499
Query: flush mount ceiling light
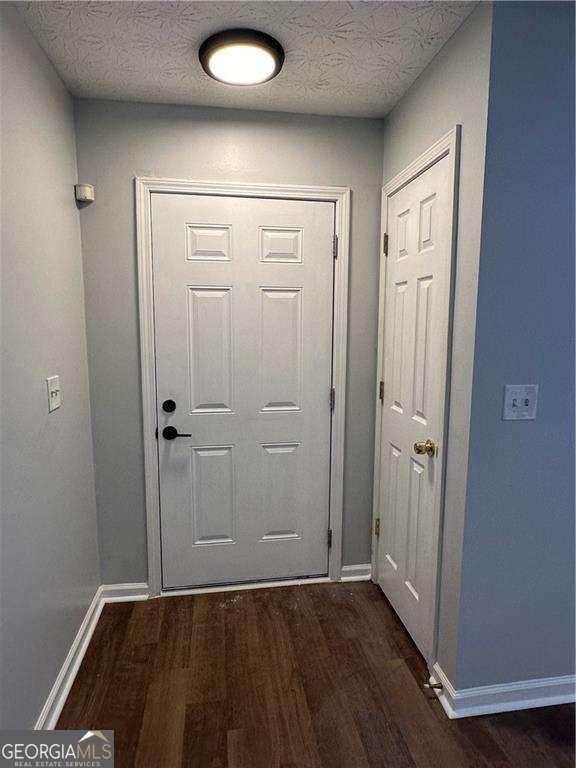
x,y
241,57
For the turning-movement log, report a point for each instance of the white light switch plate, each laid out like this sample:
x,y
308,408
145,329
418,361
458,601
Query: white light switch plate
x,y
520,401
54,393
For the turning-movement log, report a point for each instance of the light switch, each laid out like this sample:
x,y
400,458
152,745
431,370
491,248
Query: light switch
x,y
54,393
520,401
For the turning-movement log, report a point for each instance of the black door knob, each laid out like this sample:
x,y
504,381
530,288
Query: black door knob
x,y
169,406
171,433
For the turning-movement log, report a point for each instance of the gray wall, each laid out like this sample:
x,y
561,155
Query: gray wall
x,y
452,90
518,562
48,554
117,141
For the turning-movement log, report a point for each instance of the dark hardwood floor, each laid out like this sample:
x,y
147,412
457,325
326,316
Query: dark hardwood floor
x,y
314,676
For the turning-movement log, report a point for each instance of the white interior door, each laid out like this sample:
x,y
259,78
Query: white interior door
x,y
416,327
243,297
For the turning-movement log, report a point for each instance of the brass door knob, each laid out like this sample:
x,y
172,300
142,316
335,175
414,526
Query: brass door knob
x,y
425,446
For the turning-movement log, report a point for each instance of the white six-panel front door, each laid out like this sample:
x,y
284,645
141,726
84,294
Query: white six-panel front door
x,y
243,297
416,325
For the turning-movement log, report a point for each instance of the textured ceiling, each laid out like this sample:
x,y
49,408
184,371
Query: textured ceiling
x,y
342,58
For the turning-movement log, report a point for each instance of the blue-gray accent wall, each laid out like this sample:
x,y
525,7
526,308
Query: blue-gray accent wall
x,y
517,592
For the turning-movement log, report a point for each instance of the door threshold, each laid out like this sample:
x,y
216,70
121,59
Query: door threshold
x,y
247,585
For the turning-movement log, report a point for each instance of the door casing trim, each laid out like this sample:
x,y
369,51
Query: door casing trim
x,y
447,146
340,196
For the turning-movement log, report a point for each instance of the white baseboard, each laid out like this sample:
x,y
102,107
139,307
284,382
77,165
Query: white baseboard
x,y
487,699
107,593
362,572
53,706
121,593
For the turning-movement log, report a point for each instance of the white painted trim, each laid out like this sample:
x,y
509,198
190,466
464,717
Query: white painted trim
x,y
508,697
107,593
122,593
57,697
340,196
362,572
447,145
247,586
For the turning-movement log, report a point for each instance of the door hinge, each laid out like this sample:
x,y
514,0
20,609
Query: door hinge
x,y
381,391
332,399
377,527
329,538
335,246
156,433
385,244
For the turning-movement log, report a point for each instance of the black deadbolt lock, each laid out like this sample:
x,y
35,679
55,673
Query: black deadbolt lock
x,y
169,406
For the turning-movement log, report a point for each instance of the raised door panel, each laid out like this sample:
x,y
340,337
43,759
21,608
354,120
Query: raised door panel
x,y
398,343
416,510
403,235
208,242
213,495
281,245
392,504
281,478
281,349
210,349
421,383
427,223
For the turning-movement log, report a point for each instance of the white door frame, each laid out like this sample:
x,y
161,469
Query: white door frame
x,y
340,196
447,146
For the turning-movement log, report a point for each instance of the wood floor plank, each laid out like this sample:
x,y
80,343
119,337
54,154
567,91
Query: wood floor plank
x,y
521,737
383,742
207,652
553,728
143,631
205,736
381,620
205,742
338,738
176,619
253,732
161,738
122,710
91,685
286,698
314,676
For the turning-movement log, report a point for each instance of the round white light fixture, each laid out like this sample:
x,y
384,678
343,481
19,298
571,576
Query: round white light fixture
x,y
241,57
